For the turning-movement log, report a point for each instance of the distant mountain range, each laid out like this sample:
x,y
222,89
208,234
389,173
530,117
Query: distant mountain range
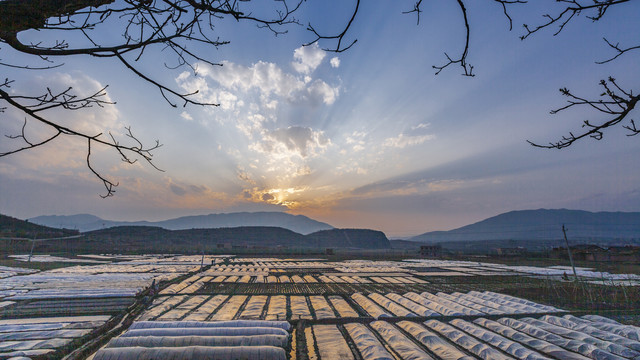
x,y
153,239
544,224
85,222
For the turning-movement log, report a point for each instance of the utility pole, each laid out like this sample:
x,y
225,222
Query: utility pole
x,y
564,231
33,243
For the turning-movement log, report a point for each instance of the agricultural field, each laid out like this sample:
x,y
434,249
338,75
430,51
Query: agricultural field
x,y
174,306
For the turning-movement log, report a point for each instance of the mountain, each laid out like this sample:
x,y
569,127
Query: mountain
x,y
15,228
349,238
147,239
296,223
544,224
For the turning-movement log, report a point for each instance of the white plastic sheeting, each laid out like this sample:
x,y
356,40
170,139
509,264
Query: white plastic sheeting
x,y
33,344
205,331
277,309
413,306
452,305
439,308
583,337
163,306
182,309
44,334
229,310
467,342
508,346
299,308
537,344
390,305
433,342
192,352
206,309
470,304
367,343
543,308
210,324
369,306
254,307
605,324
331,344
576,346
524,306
502,309
342,307
567,322
180,341
321,307
196,285
402,345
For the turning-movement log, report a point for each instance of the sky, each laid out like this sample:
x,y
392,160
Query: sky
x,y
366,138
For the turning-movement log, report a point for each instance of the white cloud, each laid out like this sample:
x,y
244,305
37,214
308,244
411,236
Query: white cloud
x,y
307,58
294,140
421,126
185,115
402,141
267,79
415,136
335,62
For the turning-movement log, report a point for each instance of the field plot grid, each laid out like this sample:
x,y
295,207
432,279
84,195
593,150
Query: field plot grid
x,y
269,308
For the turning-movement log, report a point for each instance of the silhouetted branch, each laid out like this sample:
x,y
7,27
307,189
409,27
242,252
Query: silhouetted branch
x,y
32,106
575,8
615,103
462,60
171,24
619,51
339,48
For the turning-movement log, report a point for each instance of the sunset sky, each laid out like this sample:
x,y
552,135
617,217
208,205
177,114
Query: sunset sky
x,y
367,138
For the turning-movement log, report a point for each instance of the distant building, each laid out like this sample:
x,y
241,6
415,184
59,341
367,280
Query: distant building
x,y
226,246
328,251
431,250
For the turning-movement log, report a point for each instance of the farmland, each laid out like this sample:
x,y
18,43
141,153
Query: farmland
x,y
316,308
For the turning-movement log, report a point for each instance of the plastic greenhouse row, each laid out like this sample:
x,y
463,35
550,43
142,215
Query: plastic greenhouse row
x,y
223,307
504,339
191,340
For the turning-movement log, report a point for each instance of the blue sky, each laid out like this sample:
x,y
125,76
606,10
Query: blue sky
x,y
365,138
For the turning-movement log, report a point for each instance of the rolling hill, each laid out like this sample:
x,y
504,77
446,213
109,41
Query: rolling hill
x,y
85,222
544,224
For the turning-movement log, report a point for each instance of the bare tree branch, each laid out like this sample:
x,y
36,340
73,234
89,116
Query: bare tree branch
x,y
339,48
619,51
68,101
615,102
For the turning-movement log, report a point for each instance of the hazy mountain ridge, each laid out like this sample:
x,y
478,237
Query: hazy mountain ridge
x,y
147,239
543,224
86,222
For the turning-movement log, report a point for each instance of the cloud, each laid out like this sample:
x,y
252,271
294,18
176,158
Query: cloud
x,y
302,141
335,62
402,141
415,136
321,90
180,191
307,58
185,115
266,82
